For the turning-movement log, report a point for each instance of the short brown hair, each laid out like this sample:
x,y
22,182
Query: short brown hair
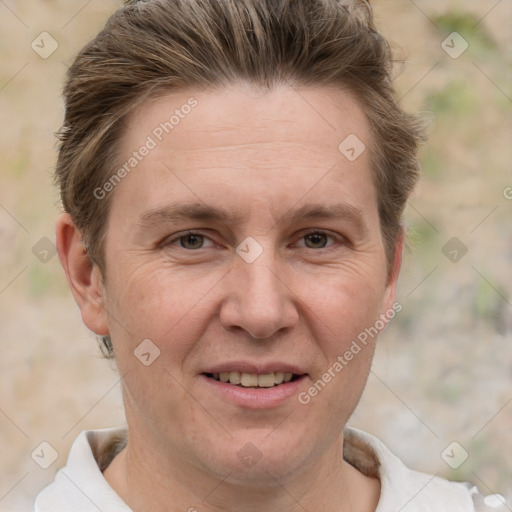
x,y
149,47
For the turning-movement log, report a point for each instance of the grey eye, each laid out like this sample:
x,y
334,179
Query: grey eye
x,y
318,240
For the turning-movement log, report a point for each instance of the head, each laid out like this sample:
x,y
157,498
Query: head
x,y
235,120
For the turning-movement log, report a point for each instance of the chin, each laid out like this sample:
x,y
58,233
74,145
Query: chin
x,y
256,459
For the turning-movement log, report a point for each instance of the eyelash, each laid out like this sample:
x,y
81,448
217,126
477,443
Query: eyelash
x,y
188,233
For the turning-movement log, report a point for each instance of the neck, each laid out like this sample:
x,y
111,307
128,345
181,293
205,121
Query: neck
x,y
147,480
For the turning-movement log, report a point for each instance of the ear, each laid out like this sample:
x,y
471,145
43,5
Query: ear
x,y
84,276
394,272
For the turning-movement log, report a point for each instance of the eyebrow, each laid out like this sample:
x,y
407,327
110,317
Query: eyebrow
x,y
322,211
188,211
194,211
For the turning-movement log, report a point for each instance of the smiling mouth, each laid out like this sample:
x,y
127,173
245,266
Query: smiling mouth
x,y
253,380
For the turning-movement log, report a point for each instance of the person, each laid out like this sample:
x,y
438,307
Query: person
x,y
233,176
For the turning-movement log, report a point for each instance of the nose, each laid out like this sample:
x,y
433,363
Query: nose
x,y
258,297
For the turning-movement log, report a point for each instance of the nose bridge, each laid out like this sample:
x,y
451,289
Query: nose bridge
x,y
259,301
259,281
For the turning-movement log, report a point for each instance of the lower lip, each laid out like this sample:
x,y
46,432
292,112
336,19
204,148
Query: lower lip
x,y
255,398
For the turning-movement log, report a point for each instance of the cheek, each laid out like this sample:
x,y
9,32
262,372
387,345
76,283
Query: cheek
x,y
344,309
157,302
343,314
346,299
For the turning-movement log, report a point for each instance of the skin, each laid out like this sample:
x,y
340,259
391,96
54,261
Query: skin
x,y
302,301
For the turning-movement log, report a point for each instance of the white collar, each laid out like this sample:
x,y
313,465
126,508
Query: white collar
x,y
81,487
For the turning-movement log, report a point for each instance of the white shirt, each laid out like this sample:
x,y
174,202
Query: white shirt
x,y
81,487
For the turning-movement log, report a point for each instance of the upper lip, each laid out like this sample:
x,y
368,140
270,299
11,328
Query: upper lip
x,y
258,368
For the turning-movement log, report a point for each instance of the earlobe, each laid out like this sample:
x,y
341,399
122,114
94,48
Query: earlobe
x,y
83,276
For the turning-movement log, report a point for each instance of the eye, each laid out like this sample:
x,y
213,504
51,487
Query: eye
x,y
193,240
190,240
317,239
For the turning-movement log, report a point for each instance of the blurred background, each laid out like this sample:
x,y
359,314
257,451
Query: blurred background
x,y
440,393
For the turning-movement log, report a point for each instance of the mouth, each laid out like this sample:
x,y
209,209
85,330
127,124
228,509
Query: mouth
x,y
254,380
252,386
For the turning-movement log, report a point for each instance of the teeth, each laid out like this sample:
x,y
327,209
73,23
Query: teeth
x,y
253,380
266,381
249,380
235,377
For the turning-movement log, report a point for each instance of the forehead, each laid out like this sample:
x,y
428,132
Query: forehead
x,y
246,115
218,141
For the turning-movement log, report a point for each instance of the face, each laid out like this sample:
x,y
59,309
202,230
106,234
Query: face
x,y
244,243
